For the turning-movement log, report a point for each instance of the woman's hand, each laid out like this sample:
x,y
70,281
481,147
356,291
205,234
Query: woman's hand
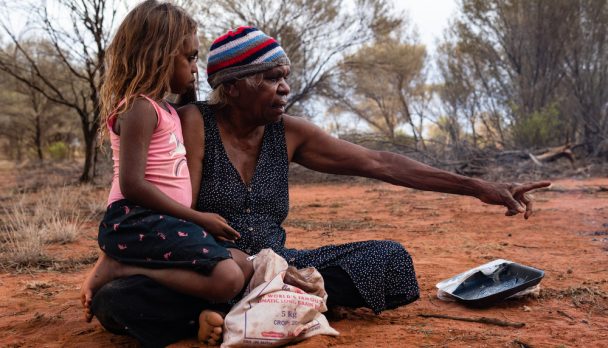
x,y
514,196
217,226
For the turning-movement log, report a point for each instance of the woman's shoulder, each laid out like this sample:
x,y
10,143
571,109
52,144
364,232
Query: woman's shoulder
x,y
300,131
299,126
190,115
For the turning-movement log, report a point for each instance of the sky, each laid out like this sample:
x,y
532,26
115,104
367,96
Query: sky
x,y
429,16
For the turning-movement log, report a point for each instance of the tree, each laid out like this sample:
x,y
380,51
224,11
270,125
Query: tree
x,y
539,67
463,98
586,62
79,49
29,115
458,93
380,82
515,52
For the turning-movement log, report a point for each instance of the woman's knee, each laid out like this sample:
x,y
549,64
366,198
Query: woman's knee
x,y
396,254
393,248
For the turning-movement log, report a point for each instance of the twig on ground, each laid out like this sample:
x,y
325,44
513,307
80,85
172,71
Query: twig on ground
x,y
482,320
565,314
522,344
431,301
524,246
64,309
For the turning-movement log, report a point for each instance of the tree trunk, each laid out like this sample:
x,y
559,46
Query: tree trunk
x,y
90,142
38,138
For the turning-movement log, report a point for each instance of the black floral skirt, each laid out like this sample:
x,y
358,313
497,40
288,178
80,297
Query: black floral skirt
x,y
139,236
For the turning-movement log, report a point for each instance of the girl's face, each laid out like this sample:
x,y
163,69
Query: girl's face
x,y
185,68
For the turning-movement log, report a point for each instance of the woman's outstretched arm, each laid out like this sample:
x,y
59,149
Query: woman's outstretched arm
x,y
313,148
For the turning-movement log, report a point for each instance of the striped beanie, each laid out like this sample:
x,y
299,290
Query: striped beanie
x,y
241,52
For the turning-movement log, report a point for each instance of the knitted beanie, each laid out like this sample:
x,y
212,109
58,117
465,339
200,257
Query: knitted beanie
x,y
241,52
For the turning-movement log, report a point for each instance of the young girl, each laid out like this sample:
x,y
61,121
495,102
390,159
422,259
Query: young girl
x,y
149,228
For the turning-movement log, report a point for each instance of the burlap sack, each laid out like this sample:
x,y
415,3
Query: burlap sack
x,y
273,313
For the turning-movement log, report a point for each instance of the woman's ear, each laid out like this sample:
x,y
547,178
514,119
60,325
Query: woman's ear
x,y
233,90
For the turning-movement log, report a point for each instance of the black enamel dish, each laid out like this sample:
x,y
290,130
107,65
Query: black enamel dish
x,y
480,290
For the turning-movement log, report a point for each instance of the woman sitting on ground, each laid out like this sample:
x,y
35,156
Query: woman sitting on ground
x,y
239,146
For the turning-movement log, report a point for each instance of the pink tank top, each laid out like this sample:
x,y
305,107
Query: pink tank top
x,y
166,167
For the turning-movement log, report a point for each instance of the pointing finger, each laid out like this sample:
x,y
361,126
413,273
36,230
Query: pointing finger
x,y
523,188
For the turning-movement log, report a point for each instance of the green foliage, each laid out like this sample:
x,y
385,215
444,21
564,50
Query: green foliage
x,y
58,150
380,82
541,128
539,66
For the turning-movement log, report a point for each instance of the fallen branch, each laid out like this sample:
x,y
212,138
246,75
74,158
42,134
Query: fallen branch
x,y
600,271
565,314
554,153
482,320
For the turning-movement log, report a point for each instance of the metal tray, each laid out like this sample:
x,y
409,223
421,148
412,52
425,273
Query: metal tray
x,y
481,290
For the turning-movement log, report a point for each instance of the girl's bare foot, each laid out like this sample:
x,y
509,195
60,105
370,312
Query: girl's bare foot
x,y
210,327
105,270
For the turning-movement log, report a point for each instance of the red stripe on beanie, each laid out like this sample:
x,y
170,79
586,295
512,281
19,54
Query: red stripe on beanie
x,y
231,33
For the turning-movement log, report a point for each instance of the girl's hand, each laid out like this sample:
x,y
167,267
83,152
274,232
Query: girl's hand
x,y
217,226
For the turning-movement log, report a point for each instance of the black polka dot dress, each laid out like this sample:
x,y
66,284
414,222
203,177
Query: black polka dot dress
x,y
382,271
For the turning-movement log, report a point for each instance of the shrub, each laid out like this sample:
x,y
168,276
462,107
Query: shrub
x,y
541,128
58,150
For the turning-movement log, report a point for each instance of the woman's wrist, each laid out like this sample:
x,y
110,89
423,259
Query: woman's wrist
x,y
476,187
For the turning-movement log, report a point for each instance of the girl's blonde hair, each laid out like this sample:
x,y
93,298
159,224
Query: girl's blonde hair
x,y
141,56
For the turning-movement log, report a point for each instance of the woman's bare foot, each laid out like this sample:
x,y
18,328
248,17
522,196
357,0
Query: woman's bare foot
x,y
105,270
210,327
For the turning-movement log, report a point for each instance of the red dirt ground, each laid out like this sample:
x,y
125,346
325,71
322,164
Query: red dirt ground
x,y
567,238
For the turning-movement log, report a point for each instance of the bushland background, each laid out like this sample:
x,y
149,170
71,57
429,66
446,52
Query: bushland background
x,y
514,90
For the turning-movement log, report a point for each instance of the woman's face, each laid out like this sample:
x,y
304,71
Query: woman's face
x,y
266,102
184,66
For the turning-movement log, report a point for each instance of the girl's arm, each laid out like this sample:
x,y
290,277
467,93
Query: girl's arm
x,y
136,127
193,129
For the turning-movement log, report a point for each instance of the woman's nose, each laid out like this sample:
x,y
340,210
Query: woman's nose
x,y
284,87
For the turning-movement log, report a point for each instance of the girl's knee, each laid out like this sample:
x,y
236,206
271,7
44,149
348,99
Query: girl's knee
x,y
244,264
228,280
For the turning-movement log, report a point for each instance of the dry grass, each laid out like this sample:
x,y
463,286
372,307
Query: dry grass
x,y
336,225
51,215
593,298
21,242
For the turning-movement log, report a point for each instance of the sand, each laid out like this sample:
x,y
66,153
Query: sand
x,y
445,234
